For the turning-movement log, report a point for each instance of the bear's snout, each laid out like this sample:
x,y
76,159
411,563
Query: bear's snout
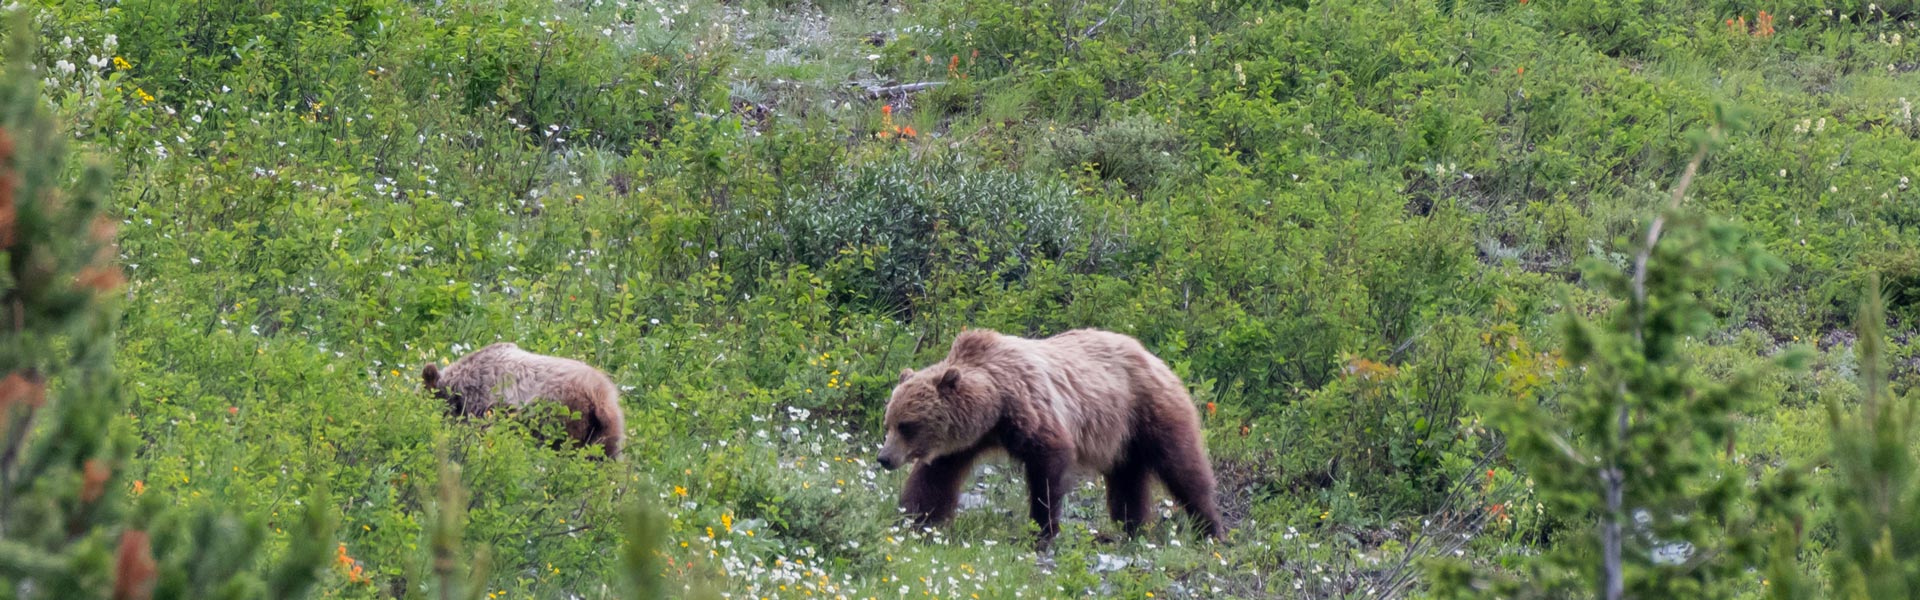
x,y
892,455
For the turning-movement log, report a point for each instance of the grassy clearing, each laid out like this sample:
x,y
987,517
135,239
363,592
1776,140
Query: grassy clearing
x,y
1348,226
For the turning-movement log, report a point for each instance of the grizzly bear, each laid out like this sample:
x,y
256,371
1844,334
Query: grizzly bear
x,y
1093,399
504,375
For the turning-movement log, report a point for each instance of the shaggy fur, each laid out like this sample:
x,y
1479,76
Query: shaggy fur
x,y
1088,398
504,375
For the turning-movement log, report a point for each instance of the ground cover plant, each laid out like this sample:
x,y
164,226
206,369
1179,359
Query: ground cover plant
x,y
1402,253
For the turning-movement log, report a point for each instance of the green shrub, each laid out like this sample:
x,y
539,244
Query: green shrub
x,y
885,229
1140,150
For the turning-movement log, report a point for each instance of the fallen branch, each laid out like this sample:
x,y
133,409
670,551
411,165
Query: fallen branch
x,y
902,89
1095,28
567,531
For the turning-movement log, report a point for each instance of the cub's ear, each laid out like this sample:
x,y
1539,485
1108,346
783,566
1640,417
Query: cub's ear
x,y
430,376
949,380
906,374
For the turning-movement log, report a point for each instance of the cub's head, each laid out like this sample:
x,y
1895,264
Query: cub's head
x,y
430,376
933,413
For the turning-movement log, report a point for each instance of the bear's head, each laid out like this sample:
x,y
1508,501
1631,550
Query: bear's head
x,y
430,376
936,412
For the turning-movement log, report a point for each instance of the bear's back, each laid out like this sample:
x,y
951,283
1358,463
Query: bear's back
x,y
1098,386
502,373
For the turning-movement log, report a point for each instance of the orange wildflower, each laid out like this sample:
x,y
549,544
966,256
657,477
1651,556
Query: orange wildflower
x,y
22,387
133,567
99,279
347,565
93,480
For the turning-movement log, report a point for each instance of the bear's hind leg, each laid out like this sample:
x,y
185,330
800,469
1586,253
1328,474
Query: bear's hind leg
x,y
933,490
1046,489
1189,479
1129,497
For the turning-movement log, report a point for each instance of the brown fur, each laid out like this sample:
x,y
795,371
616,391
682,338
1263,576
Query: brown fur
x,y
504,375
1088,398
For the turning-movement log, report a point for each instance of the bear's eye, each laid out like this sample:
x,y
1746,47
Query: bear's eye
x,y
908,429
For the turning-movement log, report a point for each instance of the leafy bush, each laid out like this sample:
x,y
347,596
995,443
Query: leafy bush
x,y
1139,150
884,230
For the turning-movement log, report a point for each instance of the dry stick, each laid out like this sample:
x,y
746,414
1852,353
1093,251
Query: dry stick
x,y
1613,478
1087,33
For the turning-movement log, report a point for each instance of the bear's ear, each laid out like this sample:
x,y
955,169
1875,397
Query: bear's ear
x,y
949,380
906,374
430,376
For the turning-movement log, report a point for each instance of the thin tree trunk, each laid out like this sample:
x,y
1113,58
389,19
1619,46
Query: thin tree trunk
x,y
1613,477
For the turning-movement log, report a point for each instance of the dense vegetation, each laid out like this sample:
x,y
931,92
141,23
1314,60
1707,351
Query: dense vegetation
x,y
1397,249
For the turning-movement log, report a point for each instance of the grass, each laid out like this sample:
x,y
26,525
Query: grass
x,y
317,200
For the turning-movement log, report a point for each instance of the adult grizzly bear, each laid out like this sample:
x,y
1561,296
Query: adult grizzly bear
x,y
1090,398
503,374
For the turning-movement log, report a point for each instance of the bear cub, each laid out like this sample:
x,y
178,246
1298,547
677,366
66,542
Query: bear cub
x,y
1091,399
504,375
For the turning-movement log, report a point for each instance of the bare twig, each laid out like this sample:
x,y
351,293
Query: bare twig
x,y
1088,33
567,531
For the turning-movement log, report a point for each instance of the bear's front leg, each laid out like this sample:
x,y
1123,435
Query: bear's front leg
x,y
933,490
1046,488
